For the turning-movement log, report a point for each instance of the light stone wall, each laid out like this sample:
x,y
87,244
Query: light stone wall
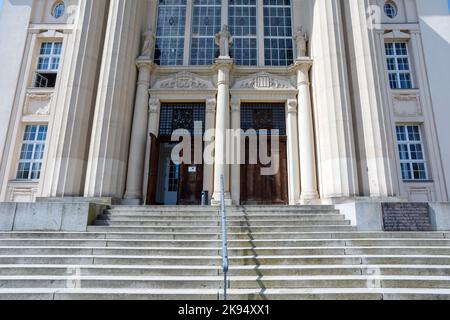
x,y
90,112
435,25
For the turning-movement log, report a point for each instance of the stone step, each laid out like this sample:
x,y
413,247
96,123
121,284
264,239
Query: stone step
x,y
418,236
197,230
231,225
234,260
215,282
216,209
230,221
187,270
234,294
234,252
40,242
217,215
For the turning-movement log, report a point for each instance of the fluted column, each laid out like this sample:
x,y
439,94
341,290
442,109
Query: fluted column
x,y
139,133
292,152
221,168
306,133
336,154
110,141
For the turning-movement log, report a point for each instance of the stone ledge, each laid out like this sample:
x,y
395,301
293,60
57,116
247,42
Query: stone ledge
x,y
49,216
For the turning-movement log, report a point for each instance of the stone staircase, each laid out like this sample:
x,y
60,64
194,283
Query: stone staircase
x,y
308,252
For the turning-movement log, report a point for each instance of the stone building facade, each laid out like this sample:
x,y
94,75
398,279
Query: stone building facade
x,y
91,91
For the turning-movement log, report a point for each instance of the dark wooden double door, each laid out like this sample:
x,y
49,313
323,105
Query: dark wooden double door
x,y
172,183
259,189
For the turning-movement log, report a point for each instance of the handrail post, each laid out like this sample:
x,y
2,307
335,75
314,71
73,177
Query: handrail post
x,y
225,263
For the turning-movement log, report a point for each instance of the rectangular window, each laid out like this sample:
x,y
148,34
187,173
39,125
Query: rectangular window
x,y
170,32
412,153
243,26
398,65
32,152
48,64
278,45
205,25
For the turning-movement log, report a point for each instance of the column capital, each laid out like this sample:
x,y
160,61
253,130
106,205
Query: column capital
x,y
224,63
145,63
154,105
292,106
303,64
211,105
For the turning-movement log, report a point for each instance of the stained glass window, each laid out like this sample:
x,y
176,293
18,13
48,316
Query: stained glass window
x,y
205,25
278,44
170,31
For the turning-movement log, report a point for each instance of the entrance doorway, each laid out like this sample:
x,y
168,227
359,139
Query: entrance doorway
x,y
172,183
256,188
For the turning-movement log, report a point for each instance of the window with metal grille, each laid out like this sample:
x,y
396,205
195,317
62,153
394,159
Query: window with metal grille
x,y
412,153
399,69
181,116
206,19
243,27
264,116
278,42
170,31
32,152
48,64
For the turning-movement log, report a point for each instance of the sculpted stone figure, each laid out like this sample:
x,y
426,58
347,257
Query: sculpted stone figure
x,y
148,42
301,39
224,40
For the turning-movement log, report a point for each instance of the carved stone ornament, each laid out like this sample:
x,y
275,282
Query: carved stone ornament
x,y
263,81
184,80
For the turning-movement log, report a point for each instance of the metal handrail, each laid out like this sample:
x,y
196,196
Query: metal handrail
x,y
225,262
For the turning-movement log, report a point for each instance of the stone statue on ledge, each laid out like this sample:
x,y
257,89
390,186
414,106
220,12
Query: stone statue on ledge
x,y
148,43
301,39
224,40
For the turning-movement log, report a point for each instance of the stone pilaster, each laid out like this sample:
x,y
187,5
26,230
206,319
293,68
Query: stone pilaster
x,y
335,135
375,165
221,168
139,134
109,149
208,170
68,150
235,182
292,152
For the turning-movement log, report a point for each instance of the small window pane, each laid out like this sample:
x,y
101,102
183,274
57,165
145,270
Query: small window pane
x,y
32,152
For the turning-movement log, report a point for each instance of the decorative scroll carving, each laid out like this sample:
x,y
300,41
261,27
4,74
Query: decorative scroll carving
x,y
38,103
184,80
263,81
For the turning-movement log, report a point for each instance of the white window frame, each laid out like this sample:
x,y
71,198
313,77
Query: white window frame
x,y
397,70
410,162
34,143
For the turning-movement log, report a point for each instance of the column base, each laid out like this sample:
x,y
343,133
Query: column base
x,y
215,201
132,198
310,198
